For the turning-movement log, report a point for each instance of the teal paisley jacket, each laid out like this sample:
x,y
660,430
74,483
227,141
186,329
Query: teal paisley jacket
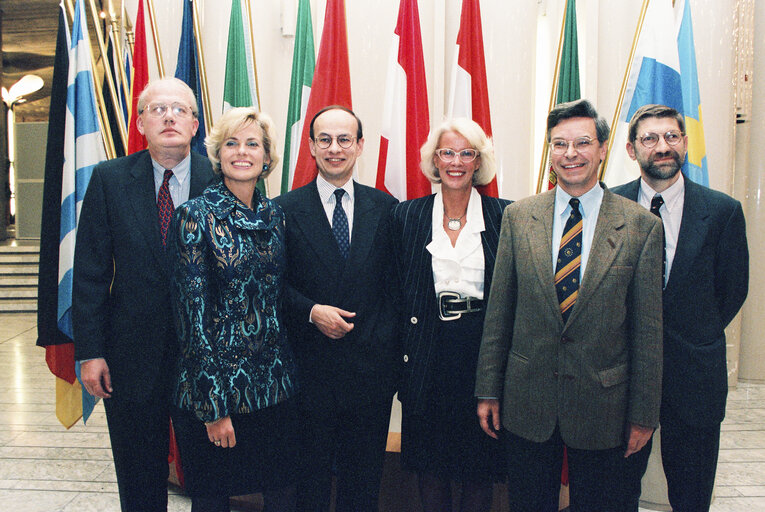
x,y
228,273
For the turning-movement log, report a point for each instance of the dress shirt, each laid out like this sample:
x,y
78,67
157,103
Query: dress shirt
x,y
460,268
179,184
671,215
589,207
328,199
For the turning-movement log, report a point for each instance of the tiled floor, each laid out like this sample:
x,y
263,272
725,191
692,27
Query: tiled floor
x,y
45,468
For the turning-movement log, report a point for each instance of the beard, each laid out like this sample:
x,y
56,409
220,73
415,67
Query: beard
x,y
663,171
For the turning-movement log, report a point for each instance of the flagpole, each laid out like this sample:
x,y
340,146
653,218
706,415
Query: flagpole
x,y
623,89
114,21
202,73
252,46
109,77
553,94
157,51
106,131
129,35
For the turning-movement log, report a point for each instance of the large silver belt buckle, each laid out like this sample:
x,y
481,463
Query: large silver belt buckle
x,y
443,298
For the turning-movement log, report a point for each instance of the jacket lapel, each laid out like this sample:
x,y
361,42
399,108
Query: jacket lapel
x,y
143,200
693,228
606,244
540,240
366,217
199,179
312,222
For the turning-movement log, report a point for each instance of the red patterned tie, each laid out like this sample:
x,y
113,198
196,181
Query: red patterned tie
x,y
165,206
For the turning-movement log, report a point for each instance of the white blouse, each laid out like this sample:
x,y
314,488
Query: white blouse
x,y
460,268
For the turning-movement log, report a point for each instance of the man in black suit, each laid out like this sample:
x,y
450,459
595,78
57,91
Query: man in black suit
x,y
706,275
124,336
340,319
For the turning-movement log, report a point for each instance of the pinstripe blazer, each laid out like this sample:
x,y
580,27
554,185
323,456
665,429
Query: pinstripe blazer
x,y
412,231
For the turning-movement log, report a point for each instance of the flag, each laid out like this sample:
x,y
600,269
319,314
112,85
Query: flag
x,y
331,84
303,63
405,113
469,93
123,89
136,141
568,71
111,112
696,164
59,349
83,149
187,70
656,76
239,89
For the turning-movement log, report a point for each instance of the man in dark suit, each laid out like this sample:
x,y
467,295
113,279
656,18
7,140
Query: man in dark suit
x,y
706,276
340,319
571,349
124,336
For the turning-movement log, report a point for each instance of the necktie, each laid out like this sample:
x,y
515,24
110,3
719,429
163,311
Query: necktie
x,y
569,260
656,203
340,225
165,206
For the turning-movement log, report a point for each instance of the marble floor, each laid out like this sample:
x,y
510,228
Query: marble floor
x,y
45,468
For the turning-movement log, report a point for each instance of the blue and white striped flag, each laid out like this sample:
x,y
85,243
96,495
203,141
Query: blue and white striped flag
x,y
664,72
83,149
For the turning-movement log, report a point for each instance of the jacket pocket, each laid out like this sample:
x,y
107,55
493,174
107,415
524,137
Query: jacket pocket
x,y
613,376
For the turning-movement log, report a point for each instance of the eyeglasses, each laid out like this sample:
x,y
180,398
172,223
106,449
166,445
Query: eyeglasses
x,y
581,144
672,138
449,155
159,110
325,141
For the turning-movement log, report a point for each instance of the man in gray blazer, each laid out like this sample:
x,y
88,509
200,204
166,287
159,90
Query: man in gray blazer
x,y
571,353
706,275
124,332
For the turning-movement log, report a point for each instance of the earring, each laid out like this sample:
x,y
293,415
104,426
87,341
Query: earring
x,y
265,167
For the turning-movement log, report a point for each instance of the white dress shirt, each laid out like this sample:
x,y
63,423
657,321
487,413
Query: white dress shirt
x,y
328,200
460,268
671,215
589,207
179,184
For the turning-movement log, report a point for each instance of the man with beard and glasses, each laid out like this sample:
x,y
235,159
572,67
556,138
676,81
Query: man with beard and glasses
x,y
706,274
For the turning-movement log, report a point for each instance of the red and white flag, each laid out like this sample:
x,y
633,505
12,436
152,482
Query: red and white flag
x,y
405,116
469,94
136,141
331,84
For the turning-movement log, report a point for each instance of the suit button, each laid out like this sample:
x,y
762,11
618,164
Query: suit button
x,y
413,320
555,374
565,339
406,358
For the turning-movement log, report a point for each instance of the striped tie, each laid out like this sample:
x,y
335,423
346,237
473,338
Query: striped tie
x,y
165,206
569,261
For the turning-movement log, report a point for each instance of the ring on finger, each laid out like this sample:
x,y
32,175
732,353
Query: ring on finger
x,y
217,442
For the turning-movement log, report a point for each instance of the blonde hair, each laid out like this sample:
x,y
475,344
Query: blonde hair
x,y
474,135
234,120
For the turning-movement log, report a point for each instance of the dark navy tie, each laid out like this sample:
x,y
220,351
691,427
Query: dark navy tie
x,y
567,269
340,225
656,203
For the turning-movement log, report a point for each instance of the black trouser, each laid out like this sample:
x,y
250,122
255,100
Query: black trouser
x,y
350,439
599,479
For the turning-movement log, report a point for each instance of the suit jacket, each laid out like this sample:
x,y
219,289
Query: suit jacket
x,y
707,285
602,369
360,366
228,274
121,307
412,230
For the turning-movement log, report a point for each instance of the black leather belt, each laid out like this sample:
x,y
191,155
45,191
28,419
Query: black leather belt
x,y
452,306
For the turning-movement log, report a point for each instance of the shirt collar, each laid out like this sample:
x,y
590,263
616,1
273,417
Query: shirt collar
x,y
588,202
180,171
473,215
223,203
671,195
327,189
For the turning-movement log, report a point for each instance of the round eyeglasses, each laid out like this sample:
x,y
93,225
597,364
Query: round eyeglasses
x,y
160,110
560,146
325,141
449,155
649,140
